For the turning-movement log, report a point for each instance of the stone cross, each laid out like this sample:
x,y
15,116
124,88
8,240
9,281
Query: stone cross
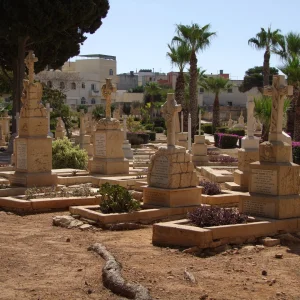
x,y
181,115
107,89
199,122
250,116
29,61
82,122
125,127
17,117
277,91
49,110
169,109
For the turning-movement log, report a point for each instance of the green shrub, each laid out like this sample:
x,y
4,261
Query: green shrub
x,y
207,128
237,131
116,199
152,136
226,141
159,122
149,126
137,138
159,129
222,129
65,155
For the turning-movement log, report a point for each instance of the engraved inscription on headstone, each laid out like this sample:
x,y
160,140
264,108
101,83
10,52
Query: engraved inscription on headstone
x,y
100,144
264,181
155,196
22,155
257,208
160,171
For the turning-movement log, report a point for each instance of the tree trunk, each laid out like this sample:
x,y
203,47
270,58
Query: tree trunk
x,y
266,67
18,76
216,113
151,107
193,106
297,119
180,98
290,114
265,132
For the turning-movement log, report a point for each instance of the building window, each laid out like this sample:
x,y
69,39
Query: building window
x,y
201,90
229,90
61,85
111,72
83,85
92,86
83,101
49,84
229,103
93,101
73,86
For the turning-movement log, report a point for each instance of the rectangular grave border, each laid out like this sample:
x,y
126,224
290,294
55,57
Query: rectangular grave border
x,y
180,234
43,204
145,216
226,199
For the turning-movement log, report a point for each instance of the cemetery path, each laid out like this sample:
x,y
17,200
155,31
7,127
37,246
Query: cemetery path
x,y
37,262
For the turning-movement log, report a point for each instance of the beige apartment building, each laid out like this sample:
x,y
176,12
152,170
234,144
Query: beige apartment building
x,y
81,80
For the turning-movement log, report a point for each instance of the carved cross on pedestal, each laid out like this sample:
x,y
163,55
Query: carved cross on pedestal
x,y
169,109
29,61
107,89
277,91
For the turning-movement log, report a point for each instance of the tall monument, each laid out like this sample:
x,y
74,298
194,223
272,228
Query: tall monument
x,y
108,156
33,152
172,180
274,180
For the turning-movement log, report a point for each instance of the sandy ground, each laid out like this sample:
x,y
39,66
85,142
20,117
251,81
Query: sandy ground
x,y
37,262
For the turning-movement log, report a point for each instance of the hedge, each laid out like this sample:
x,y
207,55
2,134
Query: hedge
x,y
222,129
159,129
152,136
226,141
137,138
236,131
207,128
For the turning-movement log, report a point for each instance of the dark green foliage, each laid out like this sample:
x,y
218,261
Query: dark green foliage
x,y
239,132
53,29
98,112
82,106
126,108
159,129
116,199
226,141
138,89
207,216
149,126
296,152
207,128
210,188
65,155
137,138
222,129
254,78
159,122
152,136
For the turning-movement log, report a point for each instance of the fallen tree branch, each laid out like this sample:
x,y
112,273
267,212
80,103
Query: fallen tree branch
x,y
113,280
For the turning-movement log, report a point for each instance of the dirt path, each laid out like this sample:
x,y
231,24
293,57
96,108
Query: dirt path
x,y
37,262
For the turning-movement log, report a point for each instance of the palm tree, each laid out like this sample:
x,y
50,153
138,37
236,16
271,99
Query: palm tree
x,y
216,85
152,89
198,38
289,51
263,111
291,69
179,56
268,41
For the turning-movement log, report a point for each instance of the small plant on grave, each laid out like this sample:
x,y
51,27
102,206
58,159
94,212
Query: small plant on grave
x,y
32,193
207,216
210,188
4,186
223,159
116,199
83,190
74,172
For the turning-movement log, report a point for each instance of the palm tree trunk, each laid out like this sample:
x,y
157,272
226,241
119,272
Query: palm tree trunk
x,y
266,67
151,107
179,89
216,113
193,92
265,133
290,114
297,119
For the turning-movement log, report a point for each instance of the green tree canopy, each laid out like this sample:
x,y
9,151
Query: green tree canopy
x,y
254,78
53,29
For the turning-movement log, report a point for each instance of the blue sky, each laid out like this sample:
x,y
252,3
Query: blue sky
x,y
137,32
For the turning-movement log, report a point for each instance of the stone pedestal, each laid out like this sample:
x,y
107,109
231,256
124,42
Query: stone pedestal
x,y
182,139
85,143
128,152
172,180
199,151
59,130
108,157
273,184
